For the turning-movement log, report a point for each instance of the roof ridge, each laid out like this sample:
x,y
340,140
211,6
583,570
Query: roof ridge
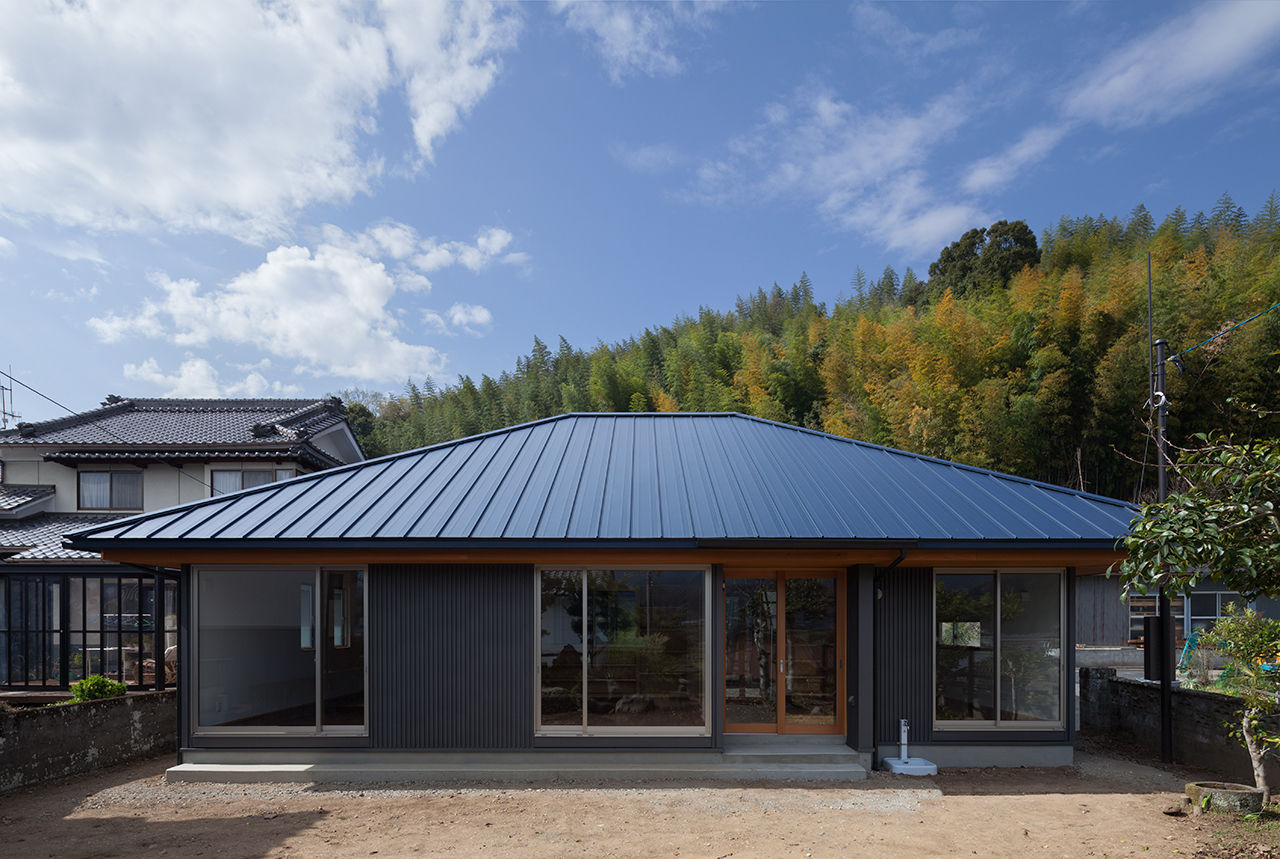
x,y
28,429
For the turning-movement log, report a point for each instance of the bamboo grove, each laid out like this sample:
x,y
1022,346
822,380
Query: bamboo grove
x,y
1039,370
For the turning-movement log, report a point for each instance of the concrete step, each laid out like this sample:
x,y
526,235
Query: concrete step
x,y
365,772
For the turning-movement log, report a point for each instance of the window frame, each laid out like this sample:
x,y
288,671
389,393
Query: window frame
x,y
584,730
111,479
317,730
998,724
271,471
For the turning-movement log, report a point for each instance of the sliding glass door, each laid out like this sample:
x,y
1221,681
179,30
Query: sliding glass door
x,y
784,645
623,651
280,650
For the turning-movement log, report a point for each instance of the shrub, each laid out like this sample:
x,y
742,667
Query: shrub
x,y
96,686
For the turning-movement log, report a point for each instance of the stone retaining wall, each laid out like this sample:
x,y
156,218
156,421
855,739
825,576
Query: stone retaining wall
x,y
54,742
1130,711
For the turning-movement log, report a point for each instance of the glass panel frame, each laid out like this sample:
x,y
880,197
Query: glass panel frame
x,y
997,723
357,626
585,728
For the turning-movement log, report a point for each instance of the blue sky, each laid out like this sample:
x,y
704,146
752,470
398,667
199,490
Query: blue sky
x,y
232,199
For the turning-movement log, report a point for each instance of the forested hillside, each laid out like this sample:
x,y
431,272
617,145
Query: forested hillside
x,y
1020,355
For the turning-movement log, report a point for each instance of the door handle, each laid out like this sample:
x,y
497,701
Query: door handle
x,y
781,670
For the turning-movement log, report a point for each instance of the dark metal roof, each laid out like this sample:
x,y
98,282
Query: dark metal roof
x,y
15,495
631,479
40,537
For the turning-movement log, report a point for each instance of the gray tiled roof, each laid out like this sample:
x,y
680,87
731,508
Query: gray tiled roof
x,y
14,495
171,428
39,537
629,479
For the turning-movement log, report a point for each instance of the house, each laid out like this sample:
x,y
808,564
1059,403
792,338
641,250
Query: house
x,y
66,613
628,581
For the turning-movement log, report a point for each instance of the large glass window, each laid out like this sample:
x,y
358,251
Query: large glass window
x,y
999,647
110,490
280,649
623,651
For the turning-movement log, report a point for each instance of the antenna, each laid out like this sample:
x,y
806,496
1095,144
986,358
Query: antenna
x,y
6,403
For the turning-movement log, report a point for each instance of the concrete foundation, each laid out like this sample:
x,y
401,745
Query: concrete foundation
x,y
743,759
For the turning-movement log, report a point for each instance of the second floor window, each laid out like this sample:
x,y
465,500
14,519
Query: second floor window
x,y
234,481
110,490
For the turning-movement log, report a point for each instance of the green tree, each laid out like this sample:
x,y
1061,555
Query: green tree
x,y
1222,524
1249,645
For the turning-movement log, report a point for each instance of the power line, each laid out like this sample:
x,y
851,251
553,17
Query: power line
x,y
94,422
1224,333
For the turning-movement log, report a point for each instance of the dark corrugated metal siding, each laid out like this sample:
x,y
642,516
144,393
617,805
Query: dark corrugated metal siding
x,y
451,656
626,477
904,653
1102,620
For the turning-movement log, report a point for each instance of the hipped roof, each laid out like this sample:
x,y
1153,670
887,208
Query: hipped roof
x,y
660,480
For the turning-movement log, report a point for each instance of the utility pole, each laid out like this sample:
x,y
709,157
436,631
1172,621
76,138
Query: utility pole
x,y
1161,404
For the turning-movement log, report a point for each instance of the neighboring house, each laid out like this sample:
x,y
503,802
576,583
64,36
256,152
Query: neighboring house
x,y
627,581
66,613
1105,620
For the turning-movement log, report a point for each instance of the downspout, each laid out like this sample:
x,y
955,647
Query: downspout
x,y
875,655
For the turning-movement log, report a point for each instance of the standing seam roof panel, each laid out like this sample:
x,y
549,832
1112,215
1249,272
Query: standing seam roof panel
x,y
388,504
403,520
705,518
517,482
488,484
730,498
865,462
322,513
800,514
620,475
838,493
316,494
676,520
975,518
1008,499
455,490
588,501
646,498
386,481
754,484
243,512
552,521
1091,514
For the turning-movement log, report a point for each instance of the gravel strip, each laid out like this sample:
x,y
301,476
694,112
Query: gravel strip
x,y
153,792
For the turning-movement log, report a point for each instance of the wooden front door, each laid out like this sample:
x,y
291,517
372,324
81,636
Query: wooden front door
x,y
784,652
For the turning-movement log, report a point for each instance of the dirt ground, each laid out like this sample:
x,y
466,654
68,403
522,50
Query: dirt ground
x,y
1104,806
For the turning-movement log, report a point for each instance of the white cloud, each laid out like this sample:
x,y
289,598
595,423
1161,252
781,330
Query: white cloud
x,y
196,377
231,116
448,54
997,171
1177,67
471,318
7,248
1155,78
863,170
635,38
327,310
876,20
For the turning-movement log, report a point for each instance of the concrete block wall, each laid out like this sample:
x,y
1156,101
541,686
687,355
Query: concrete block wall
x,y
1130,711
54,742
